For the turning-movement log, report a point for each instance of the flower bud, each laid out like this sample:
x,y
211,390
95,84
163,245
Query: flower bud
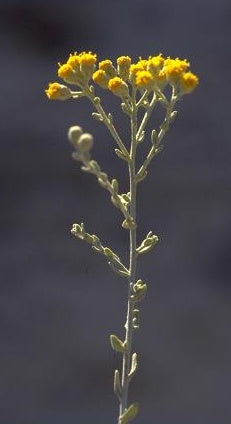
x,y
85,142
123,67
73,135
118,87
56,91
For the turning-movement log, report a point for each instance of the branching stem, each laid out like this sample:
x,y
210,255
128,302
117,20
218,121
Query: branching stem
x,y
133,259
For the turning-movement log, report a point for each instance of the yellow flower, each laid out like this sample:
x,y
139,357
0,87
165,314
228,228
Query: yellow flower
x,y
66,72
174,68
87,64
123,66
107,66
160,79
101,78
144,79
155,63
88,59
56,91
118,87
141,65
74,61
124,60
188,82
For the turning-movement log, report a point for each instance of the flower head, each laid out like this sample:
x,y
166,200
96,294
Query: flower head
x,y
74,61
87,59
144,79
123,67
107,66
56,91
66,72
174,68
118,87
188,82
155,63
101,78
87,64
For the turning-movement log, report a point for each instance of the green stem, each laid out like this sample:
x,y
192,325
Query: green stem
x,y
154,149
106,120
133,259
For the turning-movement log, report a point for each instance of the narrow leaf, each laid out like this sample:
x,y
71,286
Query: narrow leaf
x,y
120,154
134,365
97,116
117,385
117,344
129,414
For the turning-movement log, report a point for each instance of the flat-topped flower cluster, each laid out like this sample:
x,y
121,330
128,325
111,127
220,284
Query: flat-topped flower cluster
x,y
151,74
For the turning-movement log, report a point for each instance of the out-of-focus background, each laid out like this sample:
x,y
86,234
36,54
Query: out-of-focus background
x,y
58,300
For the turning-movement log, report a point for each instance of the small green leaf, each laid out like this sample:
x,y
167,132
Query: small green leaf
x,y
141,137
141,175
139,291
121,155
97,116
134,365
115,185
117,385
110,117
129,414
154,137
94,165
173,116
117,344
129,224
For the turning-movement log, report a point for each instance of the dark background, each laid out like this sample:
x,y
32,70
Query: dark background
x,y
59,302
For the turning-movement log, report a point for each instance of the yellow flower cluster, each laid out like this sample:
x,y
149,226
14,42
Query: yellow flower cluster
x,y
150,74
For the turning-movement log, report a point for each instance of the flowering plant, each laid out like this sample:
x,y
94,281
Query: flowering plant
x,y
140,87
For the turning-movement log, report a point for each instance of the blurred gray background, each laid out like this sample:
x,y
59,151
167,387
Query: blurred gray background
x,y
59,301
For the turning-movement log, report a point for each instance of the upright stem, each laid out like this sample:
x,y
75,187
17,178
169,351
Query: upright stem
x,y
133,259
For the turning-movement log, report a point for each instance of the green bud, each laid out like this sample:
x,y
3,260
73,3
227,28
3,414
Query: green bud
x,y
73,135
85,142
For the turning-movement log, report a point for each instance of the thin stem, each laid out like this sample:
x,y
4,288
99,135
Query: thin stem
x,y
147,114
164,128
133,259
106,120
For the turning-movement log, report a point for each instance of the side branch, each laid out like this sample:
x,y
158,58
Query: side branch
x,y
106,119
113,260
120,201
157,138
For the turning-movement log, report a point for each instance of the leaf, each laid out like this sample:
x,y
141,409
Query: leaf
x,y
120,154
173,116
97,116
154,137
134,365
115,185
129,414
141,137
117,385
117,344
